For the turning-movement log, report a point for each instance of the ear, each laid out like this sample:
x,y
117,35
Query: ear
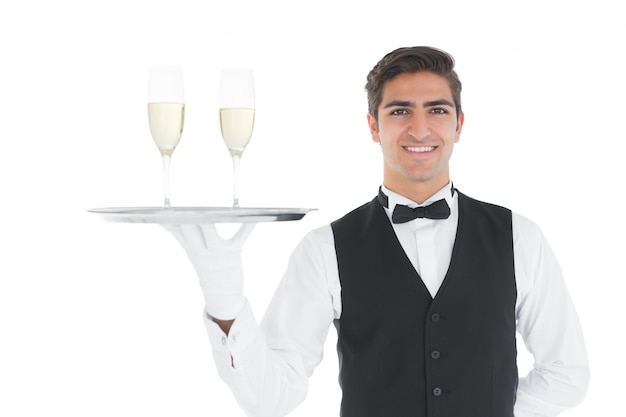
x,y
371,121
459,127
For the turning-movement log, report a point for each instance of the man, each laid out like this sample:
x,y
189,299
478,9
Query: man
x,y
426,286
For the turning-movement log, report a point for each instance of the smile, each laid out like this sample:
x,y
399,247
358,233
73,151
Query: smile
x,y
419,148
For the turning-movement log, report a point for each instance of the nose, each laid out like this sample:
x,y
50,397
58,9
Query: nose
x,y
418,126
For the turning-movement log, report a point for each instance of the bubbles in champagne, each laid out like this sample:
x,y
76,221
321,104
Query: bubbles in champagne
x,y
166,125
236,125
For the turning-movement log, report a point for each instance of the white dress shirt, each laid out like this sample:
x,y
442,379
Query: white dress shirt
x,y
267,366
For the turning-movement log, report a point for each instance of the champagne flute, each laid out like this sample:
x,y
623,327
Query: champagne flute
x,y
166,114
236,104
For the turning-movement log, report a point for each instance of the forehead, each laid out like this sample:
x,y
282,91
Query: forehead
x,y
416,86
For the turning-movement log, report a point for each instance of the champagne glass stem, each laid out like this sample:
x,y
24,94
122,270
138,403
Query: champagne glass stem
x,y
166,181
236,160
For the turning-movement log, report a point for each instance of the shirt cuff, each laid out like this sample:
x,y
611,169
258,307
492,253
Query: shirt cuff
x,y
243,332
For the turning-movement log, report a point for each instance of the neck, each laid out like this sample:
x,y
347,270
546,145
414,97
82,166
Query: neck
x,y
417,191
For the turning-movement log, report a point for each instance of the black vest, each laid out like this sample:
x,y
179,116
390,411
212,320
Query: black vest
x,y
403,353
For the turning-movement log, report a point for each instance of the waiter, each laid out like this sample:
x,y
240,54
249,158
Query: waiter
x,y
426,286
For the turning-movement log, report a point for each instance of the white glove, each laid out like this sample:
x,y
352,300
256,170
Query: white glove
x,y
218,264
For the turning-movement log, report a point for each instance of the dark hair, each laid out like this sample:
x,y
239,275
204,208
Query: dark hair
x,y
409,60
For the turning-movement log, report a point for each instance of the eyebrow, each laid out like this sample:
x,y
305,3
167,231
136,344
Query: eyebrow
x,y
433,103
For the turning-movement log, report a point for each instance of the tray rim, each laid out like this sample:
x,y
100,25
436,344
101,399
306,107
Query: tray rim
x,y
199,214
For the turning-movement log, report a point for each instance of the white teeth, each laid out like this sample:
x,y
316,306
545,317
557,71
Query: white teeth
x,y
420,148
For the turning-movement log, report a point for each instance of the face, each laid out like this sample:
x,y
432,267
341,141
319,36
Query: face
x,y
417,128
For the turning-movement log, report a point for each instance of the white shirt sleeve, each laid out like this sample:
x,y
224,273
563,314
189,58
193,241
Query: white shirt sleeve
x,y
549,326
267,367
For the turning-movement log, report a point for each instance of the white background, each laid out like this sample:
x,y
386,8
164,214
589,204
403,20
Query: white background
x,y
102,319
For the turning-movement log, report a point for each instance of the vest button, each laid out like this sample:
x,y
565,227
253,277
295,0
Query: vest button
x,y
437,392
435,354
435,318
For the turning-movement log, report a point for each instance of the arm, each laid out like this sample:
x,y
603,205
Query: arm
x,y
267,366
549,326
224,325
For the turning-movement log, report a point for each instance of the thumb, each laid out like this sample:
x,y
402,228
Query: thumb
x,y
242,234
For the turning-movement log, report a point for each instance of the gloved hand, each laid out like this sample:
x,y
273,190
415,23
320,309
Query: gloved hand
x,y
218,264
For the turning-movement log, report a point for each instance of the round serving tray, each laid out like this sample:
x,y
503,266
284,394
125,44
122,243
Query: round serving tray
x,y
199,215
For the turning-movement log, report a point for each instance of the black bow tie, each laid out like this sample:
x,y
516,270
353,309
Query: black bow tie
x,y
401,214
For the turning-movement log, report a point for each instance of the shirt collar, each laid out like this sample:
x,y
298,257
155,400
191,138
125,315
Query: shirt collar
x,y
446,193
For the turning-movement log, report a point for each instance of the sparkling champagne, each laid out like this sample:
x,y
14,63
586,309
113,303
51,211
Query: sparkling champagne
x,y
166,125
237,125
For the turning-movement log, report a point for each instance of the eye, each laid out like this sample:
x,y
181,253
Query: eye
x,y
399,112
439,110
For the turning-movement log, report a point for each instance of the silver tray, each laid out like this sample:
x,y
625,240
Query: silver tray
x,y
199,215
